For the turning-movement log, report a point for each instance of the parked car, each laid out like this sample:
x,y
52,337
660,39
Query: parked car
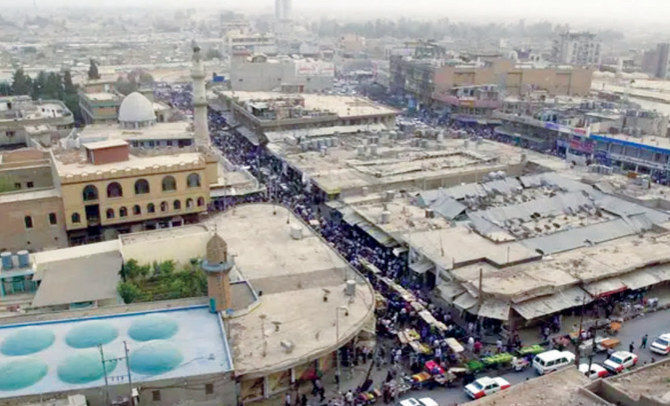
x,y
550,361
595,372
486,386
661,345
418,402
620,360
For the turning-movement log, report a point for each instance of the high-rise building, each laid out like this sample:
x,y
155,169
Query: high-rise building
x,y
282,10
655,61
582,48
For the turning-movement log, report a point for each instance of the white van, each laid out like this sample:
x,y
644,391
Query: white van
x,y
550,361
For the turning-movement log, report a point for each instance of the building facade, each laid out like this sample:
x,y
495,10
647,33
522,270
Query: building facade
x,y
581,49
259,73
23,120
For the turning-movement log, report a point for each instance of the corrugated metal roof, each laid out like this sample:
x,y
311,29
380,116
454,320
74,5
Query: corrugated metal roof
x,y
441,203
352,218
623,208
459,192
585,236
553,178
544,305
495,309
639,279
503,186
605,287
661,272
465,301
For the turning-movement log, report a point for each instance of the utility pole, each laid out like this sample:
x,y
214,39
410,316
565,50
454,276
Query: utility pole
x,y
130,380
579,332
104,372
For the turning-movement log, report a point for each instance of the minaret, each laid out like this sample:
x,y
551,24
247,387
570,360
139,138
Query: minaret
x,y
217,266
199,100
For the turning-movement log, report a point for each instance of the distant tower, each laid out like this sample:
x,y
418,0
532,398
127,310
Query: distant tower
x,y
218,267
199,100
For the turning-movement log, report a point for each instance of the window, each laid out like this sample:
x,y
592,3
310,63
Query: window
x,y
52,219
10,134
176,205
28,221
209,388
137,210
151,208
156,395
164,206
193,180
110,213
29,185
17,185
189,203
169,183
76,218
114,189
123,212
141,187
90,193
201,201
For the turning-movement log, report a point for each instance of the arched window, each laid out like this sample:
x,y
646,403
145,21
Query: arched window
x,y
151,208
28,221
76,218
176,205
164,206
201,201
169,183
114,189
110,213
141,187
189,203
90,193
137,210
123,212
193,180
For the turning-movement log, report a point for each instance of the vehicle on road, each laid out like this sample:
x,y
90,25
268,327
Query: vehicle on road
x,y
661,345
620,360
596,371
418,402
486,386
550,361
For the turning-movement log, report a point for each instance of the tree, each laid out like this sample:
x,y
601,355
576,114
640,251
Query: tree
x,y
93,70
68,86
21,83
129,292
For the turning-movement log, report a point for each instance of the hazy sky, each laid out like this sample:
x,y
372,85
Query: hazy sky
x,y
597,12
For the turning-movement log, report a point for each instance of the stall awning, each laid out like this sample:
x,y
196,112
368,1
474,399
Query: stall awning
x,y
605,287
639,279
421,267
427,317
495,309
660,272
465,301
449,290
541,306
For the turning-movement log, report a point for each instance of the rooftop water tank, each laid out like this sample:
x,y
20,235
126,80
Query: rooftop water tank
x,y
350,290
7,262
296,232
385,217
24,259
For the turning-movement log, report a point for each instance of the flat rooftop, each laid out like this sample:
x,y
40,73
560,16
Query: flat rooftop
x,y
564,387
62,355
293,275
342,106
397,161
650,381
73,162
103,96
159,131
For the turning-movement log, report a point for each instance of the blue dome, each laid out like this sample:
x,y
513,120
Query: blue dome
x,y
27,340
84,366
154,358
91,334
21,373
153,327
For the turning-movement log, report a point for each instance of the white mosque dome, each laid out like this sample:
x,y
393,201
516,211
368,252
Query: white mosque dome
x,y
136,108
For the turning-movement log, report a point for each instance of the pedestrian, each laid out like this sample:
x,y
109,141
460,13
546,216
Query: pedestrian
x,y
349,398
287,399
643,344
499,345
471,344
631,347
303,400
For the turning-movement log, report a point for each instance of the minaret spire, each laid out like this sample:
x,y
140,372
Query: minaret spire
x,y
199,100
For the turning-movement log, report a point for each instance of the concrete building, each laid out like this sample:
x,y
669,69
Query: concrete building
x,y
23,121
31,204
99,101
283,10
245,44
655,62
471,101
579,49
426,81
260,73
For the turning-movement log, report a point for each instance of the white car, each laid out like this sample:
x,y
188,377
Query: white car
x,y
620,360
596,371
419,402
486,386
661,345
